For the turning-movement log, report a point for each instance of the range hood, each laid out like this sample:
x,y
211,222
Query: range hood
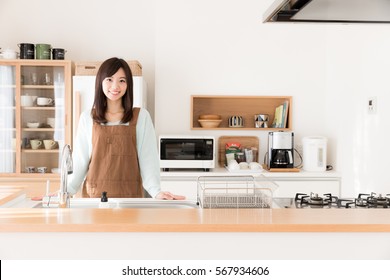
x,y
342,11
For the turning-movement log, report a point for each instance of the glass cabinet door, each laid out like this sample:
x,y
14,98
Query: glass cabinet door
x,y
7,119
42,118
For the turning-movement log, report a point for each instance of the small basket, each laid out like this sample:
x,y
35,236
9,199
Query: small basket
x,y
235,192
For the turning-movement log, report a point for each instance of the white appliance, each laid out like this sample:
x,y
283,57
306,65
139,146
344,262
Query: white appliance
x,y
84,92
187,152
314,153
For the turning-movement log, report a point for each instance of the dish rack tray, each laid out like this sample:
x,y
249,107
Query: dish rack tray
x,y
235,192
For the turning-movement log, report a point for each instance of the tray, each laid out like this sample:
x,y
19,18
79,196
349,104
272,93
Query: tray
x,y
244,171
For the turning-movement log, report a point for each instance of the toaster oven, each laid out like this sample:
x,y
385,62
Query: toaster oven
x,y
187,152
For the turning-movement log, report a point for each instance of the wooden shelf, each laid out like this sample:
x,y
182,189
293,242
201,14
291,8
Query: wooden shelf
x,y
231,105
20,83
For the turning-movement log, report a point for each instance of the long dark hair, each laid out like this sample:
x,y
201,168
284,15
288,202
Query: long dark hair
x,y
108,69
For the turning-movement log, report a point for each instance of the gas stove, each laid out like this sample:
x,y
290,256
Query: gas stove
x,y
327,201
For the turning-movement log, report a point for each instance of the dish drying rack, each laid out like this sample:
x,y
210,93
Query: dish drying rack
x,y
235,192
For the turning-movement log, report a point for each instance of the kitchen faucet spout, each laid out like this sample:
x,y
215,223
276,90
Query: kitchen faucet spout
x,y
66,168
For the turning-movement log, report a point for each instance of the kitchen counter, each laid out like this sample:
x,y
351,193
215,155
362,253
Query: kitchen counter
x,y
187,220
192,233
221,171
194,220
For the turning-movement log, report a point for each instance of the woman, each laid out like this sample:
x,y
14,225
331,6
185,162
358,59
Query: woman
x,y
115,148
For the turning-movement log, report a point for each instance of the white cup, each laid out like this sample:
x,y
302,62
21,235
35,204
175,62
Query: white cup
x,y
26,101
42,169
233,165
44,101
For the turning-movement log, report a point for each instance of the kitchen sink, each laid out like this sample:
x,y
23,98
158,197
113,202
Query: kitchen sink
x,y
113,203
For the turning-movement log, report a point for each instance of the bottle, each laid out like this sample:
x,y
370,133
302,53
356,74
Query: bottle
x,y
104,201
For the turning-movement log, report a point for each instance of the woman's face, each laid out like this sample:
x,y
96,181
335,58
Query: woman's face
x,y
115,87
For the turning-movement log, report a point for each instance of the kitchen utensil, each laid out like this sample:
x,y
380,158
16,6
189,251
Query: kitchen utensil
x,y
42,51
34,79
209,123
44,101
58,54
26,101
236,121
235,192
261,120
280,150
50,144
33,124
210,117
42,169
27,51
47,79
314,153
9,54
30,169
36,144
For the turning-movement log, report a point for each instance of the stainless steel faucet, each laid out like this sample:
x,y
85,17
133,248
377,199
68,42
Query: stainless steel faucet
x,y
66,168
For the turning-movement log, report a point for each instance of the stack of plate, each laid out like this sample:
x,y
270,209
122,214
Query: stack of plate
x,y
210,121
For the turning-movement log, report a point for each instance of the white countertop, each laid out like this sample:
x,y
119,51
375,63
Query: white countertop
x,y
221,171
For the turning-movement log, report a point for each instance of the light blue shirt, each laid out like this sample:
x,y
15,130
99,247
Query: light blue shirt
x,y
146,148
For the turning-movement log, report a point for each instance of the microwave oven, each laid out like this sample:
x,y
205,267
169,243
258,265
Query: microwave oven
x,y
187,152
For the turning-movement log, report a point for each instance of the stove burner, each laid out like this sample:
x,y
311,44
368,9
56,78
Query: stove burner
x,y
315,200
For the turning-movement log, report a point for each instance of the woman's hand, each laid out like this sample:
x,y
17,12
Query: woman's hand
x,y
169,196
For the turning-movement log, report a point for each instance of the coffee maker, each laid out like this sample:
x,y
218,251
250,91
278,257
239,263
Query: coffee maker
x,y
280,149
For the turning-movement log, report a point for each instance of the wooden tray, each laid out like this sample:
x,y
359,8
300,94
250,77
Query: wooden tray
x,y
284,170
245,141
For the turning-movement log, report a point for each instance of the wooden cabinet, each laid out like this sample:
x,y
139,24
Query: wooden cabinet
x,y
245,106
35,98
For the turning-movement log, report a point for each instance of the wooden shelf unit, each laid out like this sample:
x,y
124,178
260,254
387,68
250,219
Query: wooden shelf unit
x,y
232,105
52,79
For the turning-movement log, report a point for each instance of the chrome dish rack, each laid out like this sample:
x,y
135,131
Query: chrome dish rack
x,y
235,191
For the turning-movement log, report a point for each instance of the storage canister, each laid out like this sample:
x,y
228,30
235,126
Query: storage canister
x,y
27,51
42,51
58,54
314,153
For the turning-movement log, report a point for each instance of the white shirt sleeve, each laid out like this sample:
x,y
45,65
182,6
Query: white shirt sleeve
x,y
82,150
148,153
146,148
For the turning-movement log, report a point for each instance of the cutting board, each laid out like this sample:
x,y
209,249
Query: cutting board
x,y
245,141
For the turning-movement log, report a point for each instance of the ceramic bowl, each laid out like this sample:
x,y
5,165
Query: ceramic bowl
x,y
209,123
33,124
210,117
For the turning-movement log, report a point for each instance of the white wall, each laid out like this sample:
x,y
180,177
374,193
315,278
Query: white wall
x,y
222,47
91,30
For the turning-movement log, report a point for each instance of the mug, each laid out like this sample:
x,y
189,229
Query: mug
x,y
44,101
26,101
42,169
35,144
30,169
50,144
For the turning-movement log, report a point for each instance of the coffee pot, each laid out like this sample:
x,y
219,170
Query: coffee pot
x,y
280,150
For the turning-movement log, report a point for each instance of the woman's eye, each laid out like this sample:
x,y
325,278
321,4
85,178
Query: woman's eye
x,y
123,81
108,79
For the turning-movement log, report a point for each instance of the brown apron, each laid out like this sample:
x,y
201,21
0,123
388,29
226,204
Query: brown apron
x,y
114,166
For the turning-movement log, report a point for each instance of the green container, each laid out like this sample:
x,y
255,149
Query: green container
x,y
42,51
